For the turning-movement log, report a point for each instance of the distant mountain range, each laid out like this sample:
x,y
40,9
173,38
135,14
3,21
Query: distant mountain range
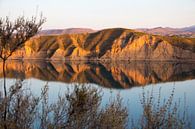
x,y
167,31
65,31
190,29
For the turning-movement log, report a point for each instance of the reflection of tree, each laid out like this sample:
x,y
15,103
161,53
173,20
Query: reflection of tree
x,y
13,35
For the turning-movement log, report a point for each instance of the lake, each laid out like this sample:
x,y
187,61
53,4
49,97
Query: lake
x,y
129,79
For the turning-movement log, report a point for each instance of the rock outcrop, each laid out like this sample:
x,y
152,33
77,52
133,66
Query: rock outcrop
x,y
109,44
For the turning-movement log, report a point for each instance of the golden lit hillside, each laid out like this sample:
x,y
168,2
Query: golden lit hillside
x,y
109,44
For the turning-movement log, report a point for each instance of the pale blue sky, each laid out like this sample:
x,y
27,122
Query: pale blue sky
x,y
98,14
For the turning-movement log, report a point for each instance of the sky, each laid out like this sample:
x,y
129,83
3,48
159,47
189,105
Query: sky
x,y
99,14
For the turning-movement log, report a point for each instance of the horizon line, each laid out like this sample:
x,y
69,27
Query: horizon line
x,y
164,27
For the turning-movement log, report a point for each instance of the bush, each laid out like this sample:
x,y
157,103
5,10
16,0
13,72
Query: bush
x,y
81,109
158,115
75,110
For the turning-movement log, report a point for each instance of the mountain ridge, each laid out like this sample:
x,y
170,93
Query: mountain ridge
x,y
169,31
166,31
65,31
108,44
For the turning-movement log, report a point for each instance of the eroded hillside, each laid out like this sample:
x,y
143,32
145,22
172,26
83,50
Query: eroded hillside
x,y
109,44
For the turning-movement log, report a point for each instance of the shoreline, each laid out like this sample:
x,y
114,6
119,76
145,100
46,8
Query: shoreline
x,y
102,60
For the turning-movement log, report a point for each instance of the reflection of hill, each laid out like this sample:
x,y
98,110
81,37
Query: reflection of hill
x,y
115,74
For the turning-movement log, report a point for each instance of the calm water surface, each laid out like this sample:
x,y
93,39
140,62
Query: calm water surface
x,y
124,78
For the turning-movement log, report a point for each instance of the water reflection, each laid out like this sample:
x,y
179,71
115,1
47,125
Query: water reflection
x,y
81,108
107,74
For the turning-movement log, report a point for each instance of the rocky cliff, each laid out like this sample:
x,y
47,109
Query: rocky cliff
x,y
109,44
